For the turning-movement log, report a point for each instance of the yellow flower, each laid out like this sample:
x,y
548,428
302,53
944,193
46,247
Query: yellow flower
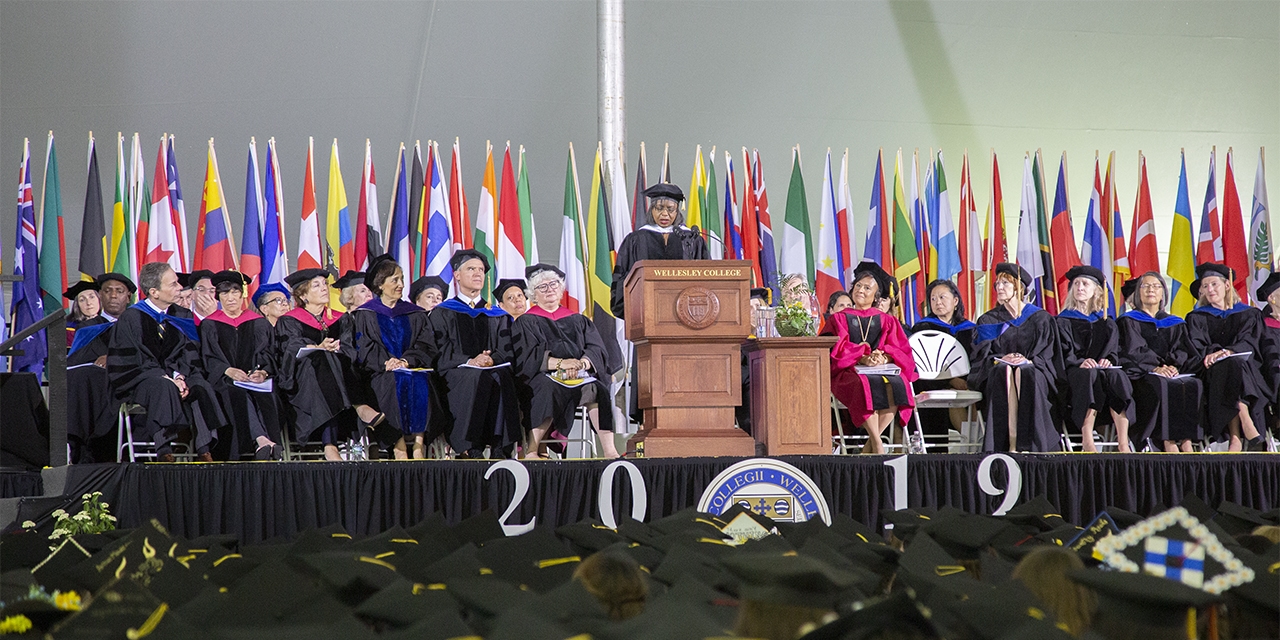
x,y
69,601
15,624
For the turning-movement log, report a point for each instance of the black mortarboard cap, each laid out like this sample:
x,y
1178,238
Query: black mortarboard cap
x,y
507,283
965,536
898,615
325,538
459,564
79,288
1087,271
122,604
22,549
1208,269
536,559
796,580
882,278
480,528
350,279
403,602
488,596
589,536
197,276
1268,286
1140,597
1038,512
1238,519
303,275
1129,286
229,276
104,278
925,564
688,559
529,272
680,614
460,257
665,190
1015,271
428,282
367,276
443,624
1178,547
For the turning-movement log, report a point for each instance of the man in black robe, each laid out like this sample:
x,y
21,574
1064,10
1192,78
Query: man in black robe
x,y
472,352
154,361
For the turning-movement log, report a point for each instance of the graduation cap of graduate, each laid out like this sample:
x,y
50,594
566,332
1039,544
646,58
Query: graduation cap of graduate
x,y
108,277
925,564
270,288
1238,519
403,602
231,277
536,559
507,283
81,287
665,190
1085,271
302,275
1206,270
1015,271
796,580
589,536
898,615
965,536
428,282
530,272
461,257
1175,546
1140,597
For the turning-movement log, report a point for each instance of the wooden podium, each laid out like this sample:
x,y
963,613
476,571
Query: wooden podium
x,y
790,394
688,319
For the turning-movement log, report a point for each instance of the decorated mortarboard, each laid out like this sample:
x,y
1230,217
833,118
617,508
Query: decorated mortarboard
x,y
530,272
1015,271
52,571
108,277
1085,543
1085,271
302,275
122,608
1175,546
349,279
461,257
1122,517
665,190
428,282
81,287
895,616
269,288
507,283
141,550
796,580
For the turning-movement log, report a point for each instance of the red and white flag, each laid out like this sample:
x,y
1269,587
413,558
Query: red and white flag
x,y
162,234
1235,250
309,255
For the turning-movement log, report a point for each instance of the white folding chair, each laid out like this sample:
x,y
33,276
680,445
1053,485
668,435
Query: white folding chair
x,y
582,435
126,443
939,356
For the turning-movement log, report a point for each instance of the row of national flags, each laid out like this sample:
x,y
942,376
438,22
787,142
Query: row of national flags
x,y
919,226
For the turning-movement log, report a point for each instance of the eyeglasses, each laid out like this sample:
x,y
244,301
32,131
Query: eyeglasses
x,y
547,287
273,301
1152,287
205,290
667,208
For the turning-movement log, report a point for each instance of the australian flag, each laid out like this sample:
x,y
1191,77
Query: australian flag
x,y
27,307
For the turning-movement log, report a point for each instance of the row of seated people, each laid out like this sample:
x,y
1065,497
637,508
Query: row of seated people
x,y
400,373
1156,378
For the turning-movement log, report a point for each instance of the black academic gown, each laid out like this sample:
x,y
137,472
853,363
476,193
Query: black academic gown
x,y
1080,338
315,384
1232,380
482,402
147,347
1165,408
538,336
1034,335
1269,350
378,334
246,343
91,406
938,421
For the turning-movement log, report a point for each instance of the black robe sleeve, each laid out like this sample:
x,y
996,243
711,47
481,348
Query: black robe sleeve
x,y
1136,356
628,255
213,352
1269,352
129,360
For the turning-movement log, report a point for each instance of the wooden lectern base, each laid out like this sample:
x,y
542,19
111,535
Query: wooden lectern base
x,y
666,433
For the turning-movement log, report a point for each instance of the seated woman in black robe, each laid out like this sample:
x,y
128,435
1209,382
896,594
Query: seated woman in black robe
x,y
1269,346
1015,365
944,311
472,354
555,351
91,407
428,291
1155,350
392,343
236,347
1225,338
85,305
1092,382
316,380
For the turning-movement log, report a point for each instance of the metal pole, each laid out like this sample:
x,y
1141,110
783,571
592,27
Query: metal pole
x,y
609,67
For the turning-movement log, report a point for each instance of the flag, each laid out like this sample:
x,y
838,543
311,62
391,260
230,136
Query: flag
x,y
215,244
487,214
368,241
1063,237
274,261
599,255
177,209
912,291
53,246
1209,245
1119,256
693,203
926,226
1235,251
749,228
1048,284
340,253
712,217
458,216
1181,266
119,256
905,257
997,248
27,309
1143,253
398,219
972,263
572,241
665,174
948,247
844,222
878,247
527,230
1260,244
93,234
640,203
732,215
139,207
1029,235
254,222
162,233
417,193
439,235
768,254
510,250
1095,251
619,221
797,249
829,276
309,254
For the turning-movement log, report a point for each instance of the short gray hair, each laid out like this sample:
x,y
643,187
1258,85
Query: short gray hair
x,y
540,277
150,275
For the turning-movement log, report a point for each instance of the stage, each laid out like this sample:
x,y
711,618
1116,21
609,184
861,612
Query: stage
x,y
258,501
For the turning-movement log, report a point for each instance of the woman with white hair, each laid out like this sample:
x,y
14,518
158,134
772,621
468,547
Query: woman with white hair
x,y
558,356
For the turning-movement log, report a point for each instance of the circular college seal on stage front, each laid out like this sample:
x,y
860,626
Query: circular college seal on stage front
x,y
697,307
768,487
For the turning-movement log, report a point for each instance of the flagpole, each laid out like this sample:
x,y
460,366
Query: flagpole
x,y
610,68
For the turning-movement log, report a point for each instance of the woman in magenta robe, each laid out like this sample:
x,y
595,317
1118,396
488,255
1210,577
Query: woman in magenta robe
x,y
868,337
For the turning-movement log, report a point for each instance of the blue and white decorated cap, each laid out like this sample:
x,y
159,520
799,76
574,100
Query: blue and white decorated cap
x,y
1176,546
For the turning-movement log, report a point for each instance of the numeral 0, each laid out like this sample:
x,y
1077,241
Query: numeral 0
x,y
639,493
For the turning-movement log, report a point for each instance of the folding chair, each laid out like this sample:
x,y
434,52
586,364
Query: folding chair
x,y
846,443
939,356
125,442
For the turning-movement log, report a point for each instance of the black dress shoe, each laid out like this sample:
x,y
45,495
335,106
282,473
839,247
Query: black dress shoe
x,y
205,457
264,452
1258,443
166,457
